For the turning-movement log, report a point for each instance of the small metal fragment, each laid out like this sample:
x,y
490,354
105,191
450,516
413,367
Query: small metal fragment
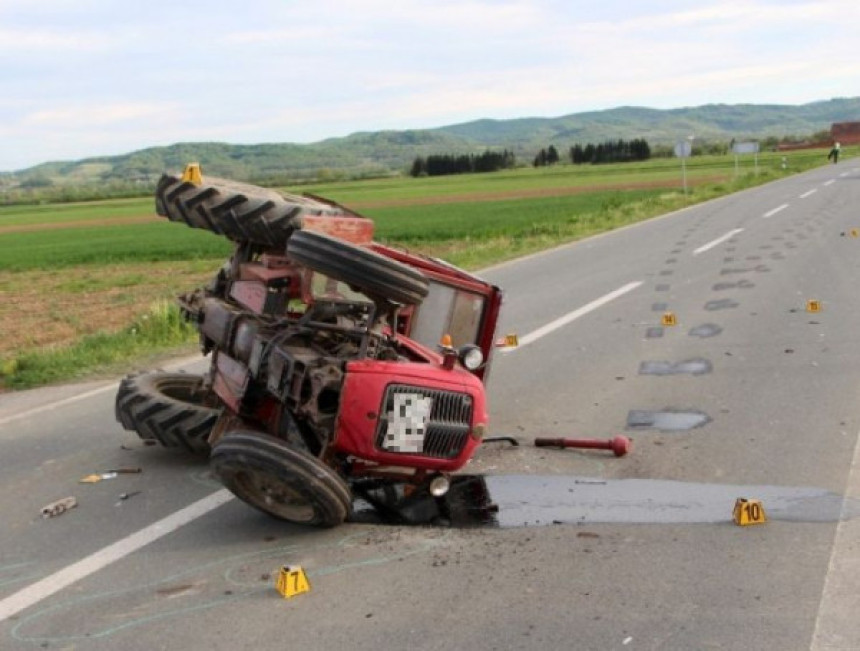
x,y
60,506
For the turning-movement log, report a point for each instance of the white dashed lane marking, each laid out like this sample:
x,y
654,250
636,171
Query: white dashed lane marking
x,y
710,245
771,213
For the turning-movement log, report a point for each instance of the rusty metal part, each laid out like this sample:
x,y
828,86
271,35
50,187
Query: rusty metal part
x,y
620,445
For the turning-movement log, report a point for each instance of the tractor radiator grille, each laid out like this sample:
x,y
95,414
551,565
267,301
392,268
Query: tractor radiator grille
x,y
442,433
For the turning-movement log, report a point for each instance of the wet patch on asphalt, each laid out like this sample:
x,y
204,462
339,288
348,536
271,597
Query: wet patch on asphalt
x,y
722,304
705,330
696,366
667,420
535,500
654,332
741,284
662,288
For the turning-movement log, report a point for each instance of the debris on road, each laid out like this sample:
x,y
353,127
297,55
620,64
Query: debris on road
x,y
620,445
92,479
60,506
110,474
125,496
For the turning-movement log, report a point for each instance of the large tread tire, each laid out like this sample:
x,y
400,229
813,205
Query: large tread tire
x,y
362,268
168,408
238,211
280,480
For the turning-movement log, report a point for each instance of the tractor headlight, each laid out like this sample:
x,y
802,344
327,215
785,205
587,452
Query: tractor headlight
x,y
439,485
471,357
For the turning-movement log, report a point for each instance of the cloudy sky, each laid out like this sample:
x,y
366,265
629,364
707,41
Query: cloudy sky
x,y
85,78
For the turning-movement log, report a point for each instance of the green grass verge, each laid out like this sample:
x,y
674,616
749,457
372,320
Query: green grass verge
x,y
160,330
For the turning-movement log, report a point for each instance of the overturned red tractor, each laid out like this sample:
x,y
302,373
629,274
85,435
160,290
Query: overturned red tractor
x,y
340,367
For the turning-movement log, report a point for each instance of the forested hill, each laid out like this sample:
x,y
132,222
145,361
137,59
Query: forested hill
x,y
709,122
383,152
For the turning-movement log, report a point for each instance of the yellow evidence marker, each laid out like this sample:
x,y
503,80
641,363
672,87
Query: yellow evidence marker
x,y
748,512
508,341
192,174
855,232
813,306
292,581
669,319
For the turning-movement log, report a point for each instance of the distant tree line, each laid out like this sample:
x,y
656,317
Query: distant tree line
x,y
442,164
548,156
619,151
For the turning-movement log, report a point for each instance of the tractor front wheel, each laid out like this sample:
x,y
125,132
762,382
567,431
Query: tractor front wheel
x,y
280,480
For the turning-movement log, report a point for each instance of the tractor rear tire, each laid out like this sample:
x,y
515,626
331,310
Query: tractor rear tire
x,y
238,211
168,408
280,480
366,270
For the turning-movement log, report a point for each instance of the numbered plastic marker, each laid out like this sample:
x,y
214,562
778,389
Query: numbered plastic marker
x,y
508,341
747,512
292,580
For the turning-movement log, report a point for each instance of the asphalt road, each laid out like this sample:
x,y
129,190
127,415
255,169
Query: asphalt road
x,y
749,395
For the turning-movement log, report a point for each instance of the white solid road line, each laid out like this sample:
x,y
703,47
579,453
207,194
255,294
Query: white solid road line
x,y
570,317
58,403
52,584
771,213
809,193
719,240
83,396
837,625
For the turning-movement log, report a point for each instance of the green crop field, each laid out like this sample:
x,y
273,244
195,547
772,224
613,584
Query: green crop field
x,y
85,276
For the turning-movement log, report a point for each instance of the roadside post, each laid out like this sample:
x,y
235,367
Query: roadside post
x,y
683,150
747,148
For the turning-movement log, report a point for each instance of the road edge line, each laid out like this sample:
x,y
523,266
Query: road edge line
x,y
50,585
836,623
